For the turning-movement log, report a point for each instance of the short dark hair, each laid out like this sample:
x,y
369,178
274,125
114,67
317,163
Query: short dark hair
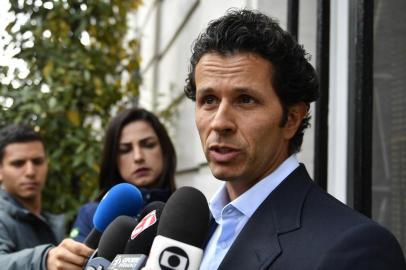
x,y
248,31
109,171
16,133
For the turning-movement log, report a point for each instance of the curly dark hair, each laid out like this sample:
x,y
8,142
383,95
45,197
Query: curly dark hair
x,y
247,31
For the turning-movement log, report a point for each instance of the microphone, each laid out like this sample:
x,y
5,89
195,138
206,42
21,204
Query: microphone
x,y
181,233
112,242
122,199
140,242
143,235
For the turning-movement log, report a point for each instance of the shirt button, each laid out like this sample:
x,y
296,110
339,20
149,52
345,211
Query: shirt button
x,y
223,245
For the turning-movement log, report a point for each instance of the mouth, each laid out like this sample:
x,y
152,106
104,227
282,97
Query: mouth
x,y
141,172
222,153
30,185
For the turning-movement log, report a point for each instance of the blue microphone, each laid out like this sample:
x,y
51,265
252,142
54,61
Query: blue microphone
x,y
122,199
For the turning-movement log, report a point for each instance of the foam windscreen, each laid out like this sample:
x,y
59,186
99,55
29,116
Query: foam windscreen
x,y
115,237
185,217
122,199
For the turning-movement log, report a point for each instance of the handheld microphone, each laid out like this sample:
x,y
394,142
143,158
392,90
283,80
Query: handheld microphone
x,y
112,242
181,233
140,242
143,235
122,199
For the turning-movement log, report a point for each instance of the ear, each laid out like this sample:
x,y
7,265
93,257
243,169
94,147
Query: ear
x,y
296,113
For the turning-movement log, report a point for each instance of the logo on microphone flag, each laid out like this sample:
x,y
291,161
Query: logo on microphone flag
x,y
145,223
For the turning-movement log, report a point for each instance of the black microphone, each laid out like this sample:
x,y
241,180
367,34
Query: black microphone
x,y
122,199
140,242
181,233
115,237
112,242
143,235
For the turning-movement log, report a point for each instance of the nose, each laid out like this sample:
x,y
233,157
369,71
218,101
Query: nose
x,y
30,169
138,154
223,121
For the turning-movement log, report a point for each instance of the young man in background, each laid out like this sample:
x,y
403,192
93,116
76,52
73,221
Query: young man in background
x,y
29,237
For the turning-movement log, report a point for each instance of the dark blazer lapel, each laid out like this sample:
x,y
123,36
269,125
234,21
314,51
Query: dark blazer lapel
x,y
212,228
257,246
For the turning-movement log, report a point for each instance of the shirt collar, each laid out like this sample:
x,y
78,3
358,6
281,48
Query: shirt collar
x,y
248,202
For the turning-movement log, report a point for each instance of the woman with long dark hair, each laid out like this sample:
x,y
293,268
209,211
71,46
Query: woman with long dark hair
x,y
137,150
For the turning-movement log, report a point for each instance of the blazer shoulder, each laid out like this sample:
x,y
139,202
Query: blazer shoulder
x,y
364,246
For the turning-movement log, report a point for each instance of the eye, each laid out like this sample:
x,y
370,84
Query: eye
x,y
246,99
209,99
18,163
149,144
38,161
124,148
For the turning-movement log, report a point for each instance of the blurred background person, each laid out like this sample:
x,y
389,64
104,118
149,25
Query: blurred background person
x,y
137,150
28,235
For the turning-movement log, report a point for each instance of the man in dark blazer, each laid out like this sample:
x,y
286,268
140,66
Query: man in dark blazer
x,y
253,86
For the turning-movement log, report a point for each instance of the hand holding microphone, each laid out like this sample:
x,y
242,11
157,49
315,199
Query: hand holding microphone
x,y
69,254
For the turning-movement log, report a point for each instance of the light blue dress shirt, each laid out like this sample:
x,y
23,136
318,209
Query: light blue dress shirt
x,y
231,217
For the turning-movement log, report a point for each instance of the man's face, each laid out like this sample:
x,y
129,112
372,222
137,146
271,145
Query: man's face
x,y
23,170
238,115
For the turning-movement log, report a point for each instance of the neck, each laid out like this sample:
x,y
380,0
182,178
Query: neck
x,y
237,187
234,190
32,204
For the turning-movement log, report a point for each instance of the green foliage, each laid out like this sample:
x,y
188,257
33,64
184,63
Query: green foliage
x,y
76,53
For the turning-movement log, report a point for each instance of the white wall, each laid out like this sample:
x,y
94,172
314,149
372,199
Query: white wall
x,y
337,158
